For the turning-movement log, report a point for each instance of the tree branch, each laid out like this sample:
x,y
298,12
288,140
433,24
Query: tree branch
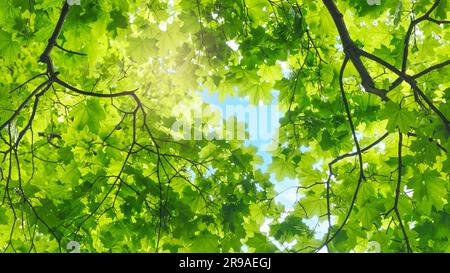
x,y
431,68
411,27
397,191
45,57
411,82
361,177
351,51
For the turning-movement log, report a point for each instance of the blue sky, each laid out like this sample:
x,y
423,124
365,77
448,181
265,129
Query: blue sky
x,y
287,188
288,196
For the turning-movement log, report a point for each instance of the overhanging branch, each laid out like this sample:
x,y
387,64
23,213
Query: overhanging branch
x,y
351,51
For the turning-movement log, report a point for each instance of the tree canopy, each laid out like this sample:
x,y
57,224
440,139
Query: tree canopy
x,y
88,89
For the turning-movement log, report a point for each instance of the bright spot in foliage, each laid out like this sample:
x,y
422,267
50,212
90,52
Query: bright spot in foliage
x,y
233,45
73,2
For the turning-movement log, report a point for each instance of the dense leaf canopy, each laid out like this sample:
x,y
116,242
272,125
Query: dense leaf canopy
x,y
88,90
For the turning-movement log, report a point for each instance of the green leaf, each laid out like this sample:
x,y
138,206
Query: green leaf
x,y
260,244
397,117
367,215
282,169
9,49
3,217
430,190
141,49
88,114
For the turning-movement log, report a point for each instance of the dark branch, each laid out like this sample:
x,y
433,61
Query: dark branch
x,y
70,51
45,57
351,51
397,191
361,177
411,27
431,68
411,82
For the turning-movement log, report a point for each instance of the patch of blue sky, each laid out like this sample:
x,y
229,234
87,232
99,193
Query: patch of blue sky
x,y
287,188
